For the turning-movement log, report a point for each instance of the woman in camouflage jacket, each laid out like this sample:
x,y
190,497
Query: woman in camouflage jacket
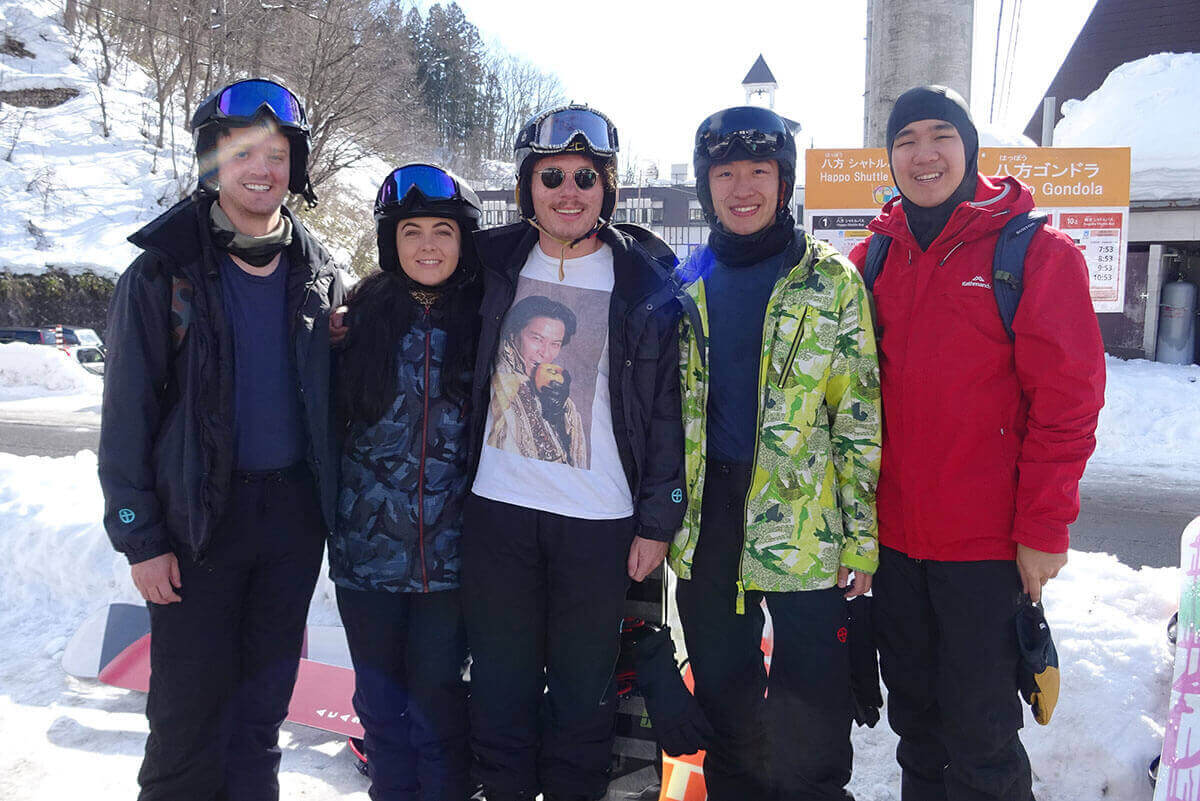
x,y
403,381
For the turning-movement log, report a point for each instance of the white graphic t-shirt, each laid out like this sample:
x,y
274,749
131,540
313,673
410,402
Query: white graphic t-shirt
x,y
548,441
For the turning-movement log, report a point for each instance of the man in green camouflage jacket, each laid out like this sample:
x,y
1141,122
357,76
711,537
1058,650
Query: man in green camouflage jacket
x,y
781,408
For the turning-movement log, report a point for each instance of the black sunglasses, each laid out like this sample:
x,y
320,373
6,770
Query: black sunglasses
x,y
552,177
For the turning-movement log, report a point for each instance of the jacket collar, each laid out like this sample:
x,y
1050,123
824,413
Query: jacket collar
x,y
997,200
181,236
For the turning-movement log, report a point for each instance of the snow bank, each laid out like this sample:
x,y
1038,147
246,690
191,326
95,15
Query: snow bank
x,y
1153,106
31,370
56,567
1150,417
992,135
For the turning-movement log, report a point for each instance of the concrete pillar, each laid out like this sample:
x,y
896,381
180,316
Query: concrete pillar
x,y
910,43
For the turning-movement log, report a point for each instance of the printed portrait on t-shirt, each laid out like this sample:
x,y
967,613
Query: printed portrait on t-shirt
x,y
547,363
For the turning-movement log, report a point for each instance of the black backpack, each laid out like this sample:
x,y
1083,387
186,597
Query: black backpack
x,y
1008,262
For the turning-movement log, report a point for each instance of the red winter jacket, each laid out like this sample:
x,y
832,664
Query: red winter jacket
x,y
984,438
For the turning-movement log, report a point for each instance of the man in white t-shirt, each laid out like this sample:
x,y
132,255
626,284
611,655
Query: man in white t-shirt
x,y
578,442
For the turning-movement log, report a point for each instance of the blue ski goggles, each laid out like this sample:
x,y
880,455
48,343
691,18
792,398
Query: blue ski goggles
x,y
760,132
432,182
555,132
246,99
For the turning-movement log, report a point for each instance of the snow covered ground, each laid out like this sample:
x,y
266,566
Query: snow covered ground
x,y
60,735
64,737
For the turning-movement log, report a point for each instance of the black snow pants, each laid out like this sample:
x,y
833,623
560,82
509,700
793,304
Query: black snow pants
x,y
543,596
794,744
223,660
947,643
408,650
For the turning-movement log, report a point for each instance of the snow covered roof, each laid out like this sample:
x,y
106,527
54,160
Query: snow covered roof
x,y
759,73
1151,105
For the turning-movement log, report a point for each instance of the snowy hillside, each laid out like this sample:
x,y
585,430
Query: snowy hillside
x,y
1153,106
70,195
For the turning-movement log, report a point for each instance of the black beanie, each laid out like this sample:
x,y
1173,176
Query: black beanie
x,y
936,103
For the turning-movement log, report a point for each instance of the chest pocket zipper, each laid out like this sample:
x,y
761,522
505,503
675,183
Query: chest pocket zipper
x,y
795,350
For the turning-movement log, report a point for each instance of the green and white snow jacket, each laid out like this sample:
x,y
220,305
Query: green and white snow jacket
x,y
811,504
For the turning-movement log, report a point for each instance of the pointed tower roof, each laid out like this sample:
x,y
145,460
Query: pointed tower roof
x,y
759,73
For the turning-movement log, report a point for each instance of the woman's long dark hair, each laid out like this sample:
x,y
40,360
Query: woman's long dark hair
x,y
382,311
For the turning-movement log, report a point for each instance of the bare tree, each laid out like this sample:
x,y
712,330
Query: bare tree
x,y
104,68
522,90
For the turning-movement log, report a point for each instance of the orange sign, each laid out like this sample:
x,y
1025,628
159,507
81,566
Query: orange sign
x,y
847,179
1060,177
1064,176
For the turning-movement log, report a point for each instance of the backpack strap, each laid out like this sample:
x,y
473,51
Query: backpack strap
x,y
1008,264
877,250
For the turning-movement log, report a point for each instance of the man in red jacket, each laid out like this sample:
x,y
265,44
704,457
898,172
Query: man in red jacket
x,y
985,439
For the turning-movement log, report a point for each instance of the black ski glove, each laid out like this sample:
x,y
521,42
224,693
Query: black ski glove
x,y
864,662
679,725
1037,674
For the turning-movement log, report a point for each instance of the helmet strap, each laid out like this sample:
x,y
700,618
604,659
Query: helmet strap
x,y
565,243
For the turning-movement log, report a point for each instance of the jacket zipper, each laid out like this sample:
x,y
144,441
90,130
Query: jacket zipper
x,y
795,350
421,469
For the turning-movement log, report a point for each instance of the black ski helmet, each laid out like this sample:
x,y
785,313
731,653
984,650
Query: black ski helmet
x,y
422,190
248,102
567,129
739,133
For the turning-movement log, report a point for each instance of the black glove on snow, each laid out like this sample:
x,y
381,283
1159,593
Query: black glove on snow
x,y
864,662
679,725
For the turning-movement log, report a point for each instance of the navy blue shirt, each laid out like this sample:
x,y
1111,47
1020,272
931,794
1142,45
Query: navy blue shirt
x,y
268,419
737,305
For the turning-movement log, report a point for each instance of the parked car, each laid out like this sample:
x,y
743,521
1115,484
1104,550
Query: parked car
x,y
82,344
34,336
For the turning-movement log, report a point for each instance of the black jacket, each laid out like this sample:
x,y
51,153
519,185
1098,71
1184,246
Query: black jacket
x,y
643,352
166,434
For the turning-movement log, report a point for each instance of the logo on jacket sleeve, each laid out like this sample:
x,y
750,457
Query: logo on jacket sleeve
x,y
978,281
677,495
127,516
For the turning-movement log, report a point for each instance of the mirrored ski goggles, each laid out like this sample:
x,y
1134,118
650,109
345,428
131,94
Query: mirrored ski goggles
x,y
247,98
552,177
432,182
758,144
759,131
557,130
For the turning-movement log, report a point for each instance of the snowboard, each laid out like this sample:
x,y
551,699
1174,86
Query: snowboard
x,y
113,646
1178,774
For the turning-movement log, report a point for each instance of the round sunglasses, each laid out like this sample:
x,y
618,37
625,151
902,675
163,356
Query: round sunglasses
x,y
552,177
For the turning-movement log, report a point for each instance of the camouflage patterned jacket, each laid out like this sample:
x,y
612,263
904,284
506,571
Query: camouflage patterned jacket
x,y
811,504
403,482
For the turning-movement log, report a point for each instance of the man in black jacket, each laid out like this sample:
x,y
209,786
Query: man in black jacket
x,y
215,452
578,441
